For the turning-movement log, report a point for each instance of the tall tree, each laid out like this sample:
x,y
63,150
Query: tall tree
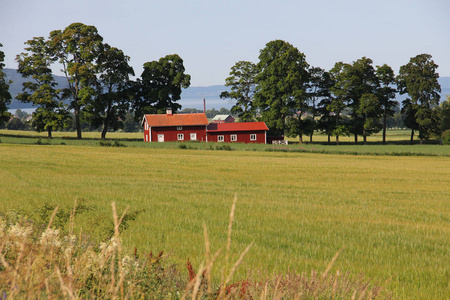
x,y
113,98
338,101
281,84
359,79
51,113
242,84
77,48
385,94
419,80
5,96
160,85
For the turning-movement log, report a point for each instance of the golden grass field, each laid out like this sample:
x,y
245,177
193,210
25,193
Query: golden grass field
x,y
390,214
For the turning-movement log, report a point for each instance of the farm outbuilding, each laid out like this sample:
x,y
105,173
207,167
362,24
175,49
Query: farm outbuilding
x,y
195,127
223,119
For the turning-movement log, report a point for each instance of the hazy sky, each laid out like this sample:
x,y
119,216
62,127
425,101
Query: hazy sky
x,y
211,36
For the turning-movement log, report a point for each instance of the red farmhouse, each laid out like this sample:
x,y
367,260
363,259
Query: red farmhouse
x,y
178,127
194,127
250,132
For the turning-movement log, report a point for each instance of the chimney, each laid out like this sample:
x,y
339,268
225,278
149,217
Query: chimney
x,y
204,106
169,111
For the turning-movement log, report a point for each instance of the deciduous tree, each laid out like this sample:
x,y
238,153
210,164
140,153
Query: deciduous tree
x,y
419,80
113,97
242,84
77,48
358,79
42,91
281,84
160,85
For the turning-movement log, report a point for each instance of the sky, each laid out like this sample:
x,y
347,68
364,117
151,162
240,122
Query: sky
x,y
211,36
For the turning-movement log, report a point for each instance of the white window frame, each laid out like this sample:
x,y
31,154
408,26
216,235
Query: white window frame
x,y
160,137
233,137
193,136
179,127
253,137
180,136
220,138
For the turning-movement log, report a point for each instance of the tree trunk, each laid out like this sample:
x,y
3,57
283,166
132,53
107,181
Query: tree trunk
x,y
49,132
329,138
104,131
310,138
384,128
77,121
300,136
356,138
365,138
412,137
337,140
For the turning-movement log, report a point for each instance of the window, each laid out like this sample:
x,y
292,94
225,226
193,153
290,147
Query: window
x,y
179,127
252,137
180,137
220,138
160,138
233,137
193,136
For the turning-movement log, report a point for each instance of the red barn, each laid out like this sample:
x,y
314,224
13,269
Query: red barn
x,y
249,132
175,127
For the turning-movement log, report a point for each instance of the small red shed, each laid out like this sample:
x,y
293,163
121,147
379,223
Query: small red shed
x,y
247,132
175,127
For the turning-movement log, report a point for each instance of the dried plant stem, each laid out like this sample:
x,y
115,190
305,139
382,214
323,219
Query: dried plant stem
x,y
330,265
52,218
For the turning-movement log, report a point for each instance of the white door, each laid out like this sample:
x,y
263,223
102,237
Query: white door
x,y
193,136
161,138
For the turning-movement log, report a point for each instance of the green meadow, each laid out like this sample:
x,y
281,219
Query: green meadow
x,y
389,214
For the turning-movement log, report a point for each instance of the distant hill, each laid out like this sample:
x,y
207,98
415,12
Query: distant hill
x,y
191,97
16,87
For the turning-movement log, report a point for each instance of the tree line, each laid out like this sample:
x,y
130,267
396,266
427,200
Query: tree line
x,y
282,89
99,90
296,99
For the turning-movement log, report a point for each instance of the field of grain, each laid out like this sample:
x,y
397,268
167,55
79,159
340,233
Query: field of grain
x,y
390,214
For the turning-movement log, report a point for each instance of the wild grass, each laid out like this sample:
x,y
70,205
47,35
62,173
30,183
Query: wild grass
x,y
47,264
390,213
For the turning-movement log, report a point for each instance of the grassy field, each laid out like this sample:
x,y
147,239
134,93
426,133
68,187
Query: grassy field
x,y
398,143
390,213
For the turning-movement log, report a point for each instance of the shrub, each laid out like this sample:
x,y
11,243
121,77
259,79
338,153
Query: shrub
x,y
40,142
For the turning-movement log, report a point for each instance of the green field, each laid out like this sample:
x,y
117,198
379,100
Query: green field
x,y
398,143
391,213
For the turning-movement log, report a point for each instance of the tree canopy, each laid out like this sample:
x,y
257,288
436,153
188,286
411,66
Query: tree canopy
x,y
160,85
281,84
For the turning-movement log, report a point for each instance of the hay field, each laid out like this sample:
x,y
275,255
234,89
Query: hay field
x,y
392,214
